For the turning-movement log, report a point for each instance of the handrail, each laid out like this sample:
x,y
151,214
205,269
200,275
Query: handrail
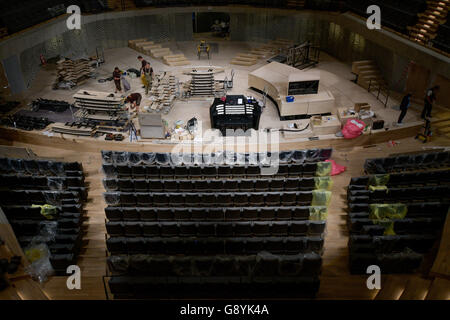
x,y
387,92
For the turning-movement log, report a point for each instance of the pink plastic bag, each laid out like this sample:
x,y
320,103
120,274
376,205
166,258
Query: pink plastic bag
x,y
336,168
353,128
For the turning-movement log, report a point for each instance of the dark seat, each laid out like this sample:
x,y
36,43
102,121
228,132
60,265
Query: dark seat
x,y
232,214
261,228
298,228
123,170
151,229
249,214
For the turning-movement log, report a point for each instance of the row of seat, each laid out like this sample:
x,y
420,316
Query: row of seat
x,y
222,199
39,197
399,195
34,213
401,179
259,265
142,287
219,229
398,262
420,209
20,181
31,227
40,167
222,157
407,162
214,214
401,226
420,243
209,246
208,172
185,185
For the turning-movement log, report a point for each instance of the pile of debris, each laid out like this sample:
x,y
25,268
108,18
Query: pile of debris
x,y
26,123
103,108
50,105
72,73
163,93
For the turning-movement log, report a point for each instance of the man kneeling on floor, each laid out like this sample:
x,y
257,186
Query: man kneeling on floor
x,y
135,101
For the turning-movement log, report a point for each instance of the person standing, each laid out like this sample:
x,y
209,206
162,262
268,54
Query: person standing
x,y
141,70
430,98
117,75
143,63
406,102
148,74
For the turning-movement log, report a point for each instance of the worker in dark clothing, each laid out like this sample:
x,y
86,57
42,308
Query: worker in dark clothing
x,y
430,98
117,74
406,102
143,64
135,101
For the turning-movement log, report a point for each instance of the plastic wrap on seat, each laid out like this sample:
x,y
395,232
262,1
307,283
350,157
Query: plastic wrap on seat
x,y
148,158
134,157
312,155
388,211
47,210
323,183
323,169
17,165
118,264
109,170
52,197
56,183
299,156
112,198
285,156
107,156
320,198
120,157
325,154
251,158
379,180
240,158
162,158
318,213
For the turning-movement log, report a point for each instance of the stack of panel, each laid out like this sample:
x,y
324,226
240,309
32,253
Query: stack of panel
x,y
26,186
237,233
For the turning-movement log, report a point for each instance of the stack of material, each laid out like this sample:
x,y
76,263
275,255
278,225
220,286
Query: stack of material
x,y
75,71
101,107
160,52
133,43
163,93
76,129
176,60
245,59
202,83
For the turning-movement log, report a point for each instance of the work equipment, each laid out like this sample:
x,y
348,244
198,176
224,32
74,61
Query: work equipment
x,y
203,47
426,135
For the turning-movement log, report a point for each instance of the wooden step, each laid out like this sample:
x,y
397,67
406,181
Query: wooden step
x,y
416,289
243,62
439,290
392,288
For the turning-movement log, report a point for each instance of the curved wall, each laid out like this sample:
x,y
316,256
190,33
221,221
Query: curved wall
x,y
341,35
